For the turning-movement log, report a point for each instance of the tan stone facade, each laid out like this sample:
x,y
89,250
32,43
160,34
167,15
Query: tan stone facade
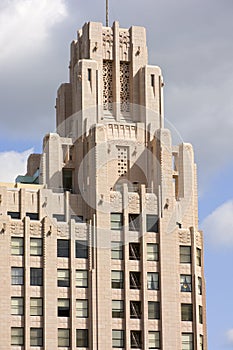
x,y
105,253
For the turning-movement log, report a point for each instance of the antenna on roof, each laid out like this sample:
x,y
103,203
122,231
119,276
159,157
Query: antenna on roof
x,y
106,13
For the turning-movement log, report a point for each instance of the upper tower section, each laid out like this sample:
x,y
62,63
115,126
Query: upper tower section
x,y
110,79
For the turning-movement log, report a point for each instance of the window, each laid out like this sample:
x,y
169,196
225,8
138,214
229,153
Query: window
x,y
17,306
152,252
81,308
198,256
63,308
134,222
135,309
81,279
200,314
201,342
136,339
185,283
187,341
16,246
186,312
63,337
63,248
118,340
81,249
118,309
117,250
152,80
36,246
117,279
185,254
14,214
154,340
89,74
77,218
17,336
36,276
135,280
33,216
199,286
36,307
153,310
153,280
152,223
17,276
36,337
63,278
59,217
67,177
82,338
116,221
134,251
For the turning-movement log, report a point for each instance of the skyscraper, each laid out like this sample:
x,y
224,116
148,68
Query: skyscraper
x,y
100,246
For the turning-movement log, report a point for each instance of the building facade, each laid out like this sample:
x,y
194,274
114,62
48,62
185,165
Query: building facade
x,y
100,246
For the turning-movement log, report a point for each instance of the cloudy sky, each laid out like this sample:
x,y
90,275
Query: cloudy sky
x,y
192,41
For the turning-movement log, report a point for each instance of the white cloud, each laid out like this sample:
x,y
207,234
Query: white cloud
x,y
24,25
218,226
230,336
13,163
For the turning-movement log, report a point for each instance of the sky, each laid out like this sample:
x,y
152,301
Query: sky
x,y
191,40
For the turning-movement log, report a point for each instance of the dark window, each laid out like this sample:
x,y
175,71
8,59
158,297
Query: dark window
x,y
185,283
17,336
36,337
63,337
135,280
63,308
89,74
59,217
67,175
17,276
134,222
33,216
152,80
135,309
117,279
77,218
200,314
63,278
82,338
14,214
36,276
136,339
185,254
153,310
118,308
134,251
63,248
81,249
152,223
186,312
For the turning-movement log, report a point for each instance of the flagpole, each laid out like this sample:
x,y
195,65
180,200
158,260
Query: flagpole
x,y
106,13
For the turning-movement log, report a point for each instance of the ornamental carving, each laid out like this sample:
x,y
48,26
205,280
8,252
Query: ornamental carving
x,y
17,228
116,199
35,230
107,86
185,237
125,87
134,203
151,203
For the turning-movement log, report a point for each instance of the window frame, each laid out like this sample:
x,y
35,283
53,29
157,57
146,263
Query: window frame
x,y
81,249
152,223
135,309
134,222
183,287
18,307
19,336
198,257
63,307
20,246
63,334
153,285
187,344
185,254
116,220
118,312
117,283
118,338
155,312
38,308
154,254
84,310
83,280
134,251
117,252
63,251
63,282
38,339
156,341
187,312
36,276
136,339
19,277
38,249
82,337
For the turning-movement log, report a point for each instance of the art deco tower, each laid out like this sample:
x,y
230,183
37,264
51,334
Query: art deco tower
x,y
104,251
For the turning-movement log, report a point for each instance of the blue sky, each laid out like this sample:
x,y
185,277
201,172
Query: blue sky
x,y
192,42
